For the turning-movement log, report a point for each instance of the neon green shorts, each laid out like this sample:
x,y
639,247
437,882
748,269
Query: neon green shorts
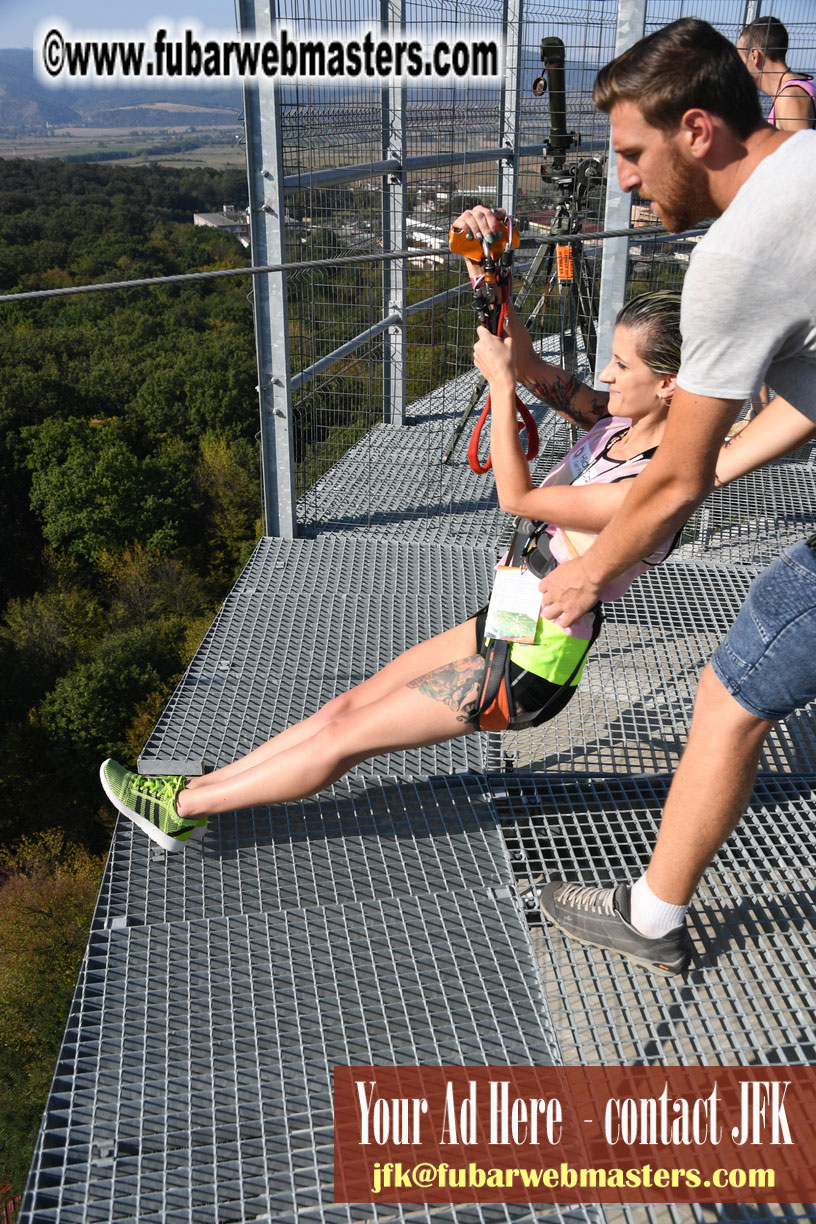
x,y
554,655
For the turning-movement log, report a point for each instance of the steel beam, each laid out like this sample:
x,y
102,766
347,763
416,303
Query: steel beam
x,y
615,263
394,278
333,176
264,144
507,181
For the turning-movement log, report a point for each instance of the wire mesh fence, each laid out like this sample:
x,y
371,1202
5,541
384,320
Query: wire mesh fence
x,y
442,131
444,138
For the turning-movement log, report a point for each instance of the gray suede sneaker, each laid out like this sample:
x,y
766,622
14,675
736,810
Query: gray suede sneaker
x,y
600,917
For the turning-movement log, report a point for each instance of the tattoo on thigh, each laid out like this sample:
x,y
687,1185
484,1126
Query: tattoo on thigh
x,y
457,685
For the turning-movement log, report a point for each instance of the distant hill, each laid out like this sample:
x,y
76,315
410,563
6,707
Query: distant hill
x,y
26,104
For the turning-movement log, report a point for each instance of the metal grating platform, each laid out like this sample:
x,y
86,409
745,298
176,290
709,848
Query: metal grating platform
x,y
632,711
340,563
393,481
684,597
753,924
395,839
195,1079
751,521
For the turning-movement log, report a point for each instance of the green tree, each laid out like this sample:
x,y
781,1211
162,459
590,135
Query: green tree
x,y
228,477
87,714
94,493
46,632
206,383
150,585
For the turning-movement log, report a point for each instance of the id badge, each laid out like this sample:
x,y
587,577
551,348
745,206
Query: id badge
x,y
579,460
515,603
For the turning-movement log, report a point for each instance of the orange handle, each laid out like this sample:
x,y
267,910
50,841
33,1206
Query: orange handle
x,y
472,248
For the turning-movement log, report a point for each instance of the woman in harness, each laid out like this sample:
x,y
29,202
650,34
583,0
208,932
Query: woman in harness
x,y
437,690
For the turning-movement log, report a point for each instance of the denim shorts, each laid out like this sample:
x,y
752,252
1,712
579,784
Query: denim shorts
x,y
767,661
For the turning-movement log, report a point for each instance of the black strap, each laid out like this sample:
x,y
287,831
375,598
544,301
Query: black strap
x,y
497,665
539,558
522,528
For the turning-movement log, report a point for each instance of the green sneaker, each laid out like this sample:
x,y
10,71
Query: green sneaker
x,y
151,804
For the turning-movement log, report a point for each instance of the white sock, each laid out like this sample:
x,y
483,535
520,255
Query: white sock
x,y
651,916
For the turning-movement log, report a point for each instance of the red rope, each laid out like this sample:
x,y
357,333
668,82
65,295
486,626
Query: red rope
x,y
526,423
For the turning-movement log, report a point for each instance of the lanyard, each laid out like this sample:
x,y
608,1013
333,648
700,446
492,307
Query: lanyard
x,y
604,454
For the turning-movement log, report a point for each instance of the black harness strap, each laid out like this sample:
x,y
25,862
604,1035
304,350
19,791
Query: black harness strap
x,y
497,673
497,654
539,715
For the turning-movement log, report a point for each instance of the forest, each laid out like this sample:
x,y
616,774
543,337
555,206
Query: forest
x,y
129,503
129,500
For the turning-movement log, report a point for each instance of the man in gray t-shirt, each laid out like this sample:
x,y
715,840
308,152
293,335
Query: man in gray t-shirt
x,y
749,298
689,135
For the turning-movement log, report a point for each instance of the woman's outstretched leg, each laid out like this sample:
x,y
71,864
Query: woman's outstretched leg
x,y
423,708
458,642
429,709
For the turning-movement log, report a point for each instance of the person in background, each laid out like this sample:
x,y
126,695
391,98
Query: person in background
x,y
763,48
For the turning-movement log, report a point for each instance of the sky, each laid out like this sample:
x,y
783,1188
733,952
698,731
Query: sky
x,y
19,18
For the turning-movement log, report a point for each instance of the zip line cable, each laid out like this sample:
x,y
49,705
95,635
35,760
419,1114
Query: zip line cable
x,y
373,257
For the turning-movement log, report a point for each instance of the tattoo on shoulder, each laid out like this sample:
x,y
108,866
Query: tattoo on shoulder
x,y
457,685
561,393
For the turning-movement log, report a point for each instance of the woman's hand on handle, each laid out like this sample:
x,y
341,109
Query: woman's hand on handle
x,y
481,221
528,363
495,358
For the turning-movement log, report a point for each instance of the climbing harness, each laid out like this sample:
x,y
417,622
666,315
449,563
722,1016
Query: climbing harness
x,y
491,293
497,707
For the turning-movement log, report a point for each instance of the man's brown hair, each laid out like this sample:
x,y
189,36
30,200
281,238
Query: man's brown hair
x,y
683,65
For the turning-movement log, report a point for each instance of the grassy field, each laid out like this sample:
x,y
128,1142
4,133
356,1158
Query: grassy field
x,y
218,146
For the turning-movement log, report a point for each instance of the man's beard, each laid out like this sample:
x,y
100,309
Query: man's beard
x,y
684,196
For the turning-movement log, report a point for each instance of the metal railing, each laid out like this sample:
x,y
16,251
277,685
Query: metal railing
x,y
373,171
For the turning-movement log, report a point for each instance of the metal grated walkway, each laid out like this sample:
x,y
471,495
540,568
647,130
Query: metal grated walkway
x,y
751,521
396,839
395,917
392,482
281,646
198,1069
753,924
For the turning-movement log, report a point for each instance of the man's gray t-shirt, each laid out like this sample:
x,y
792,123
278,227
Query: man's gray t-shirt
x,y
749,298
